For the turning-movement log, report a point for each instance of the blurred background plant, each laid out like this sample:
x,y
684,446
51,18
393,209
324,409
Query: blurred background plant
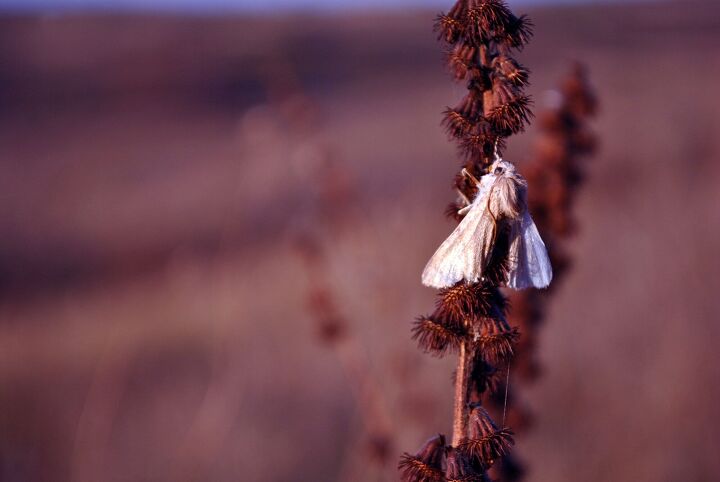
x,y
326,221
555,173
153,306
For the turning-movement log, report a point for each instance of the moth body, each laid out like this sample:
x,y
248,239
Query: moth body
x,y
464,255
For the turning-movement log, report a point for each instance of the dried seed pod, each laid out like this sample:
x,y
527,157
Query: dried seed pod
x,y
457,122
486,442
483,377
448,28
460,468
427,464
512,116
488,17
480,142
496,339
460,120
434,336
460,60
462,300
510,69
517,32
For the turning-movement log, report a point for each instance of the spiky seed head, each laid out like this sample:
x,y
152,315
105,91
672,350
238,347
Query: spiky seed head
x,y
448,28
437,337
456,122
465,301
483,377
518,32
460,469
486,442
496,339
427,464
511,117
510,69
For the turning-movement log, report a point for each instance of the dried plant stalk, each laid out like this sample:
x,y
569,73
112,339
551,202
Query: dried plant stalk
x,y
462,375
470,318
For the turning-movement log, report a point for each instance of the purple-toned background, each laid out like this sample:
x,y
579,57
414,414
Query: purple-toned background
x,y
157,170
258,5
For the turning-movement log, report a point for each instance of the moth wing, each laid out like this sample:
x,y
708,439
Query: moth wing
x,y
528,258
464,253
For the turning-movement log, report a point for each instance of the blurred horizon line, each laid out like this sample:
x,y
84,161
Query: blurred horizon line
x,y
257,6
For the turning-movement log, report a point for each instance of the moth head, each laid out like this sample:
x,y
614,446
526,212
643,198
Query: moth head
x,y
502,167
509,190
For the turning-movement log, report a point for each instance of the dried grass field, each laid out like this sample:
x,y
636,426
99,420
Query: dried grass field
x,y
156,171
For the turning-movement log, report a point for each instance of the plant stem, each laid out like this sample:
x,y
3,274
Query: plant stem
x,y
462,378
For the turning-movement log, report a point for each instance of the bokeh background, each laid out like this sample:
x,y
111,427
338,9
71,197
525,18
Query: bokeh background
x,y
158,168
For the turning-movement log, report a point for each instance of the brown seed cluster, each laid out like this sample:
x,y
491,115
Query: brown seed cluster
x,y
481,35
556,174
470,319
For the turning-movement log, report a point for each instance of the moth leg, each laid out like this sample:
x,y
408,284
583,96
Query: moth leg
x,y
464,210
463,197
467,174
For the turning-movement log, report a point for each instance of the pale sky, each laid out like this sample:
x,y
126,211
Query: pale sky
x,y
266,5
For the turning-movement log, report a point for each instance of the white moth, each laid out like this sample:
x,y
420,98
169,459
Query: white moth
x,y
502,194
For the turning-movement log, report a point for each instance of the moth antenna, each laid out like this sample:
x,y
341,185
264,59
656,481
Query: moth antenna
x,y
495,150
467,174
